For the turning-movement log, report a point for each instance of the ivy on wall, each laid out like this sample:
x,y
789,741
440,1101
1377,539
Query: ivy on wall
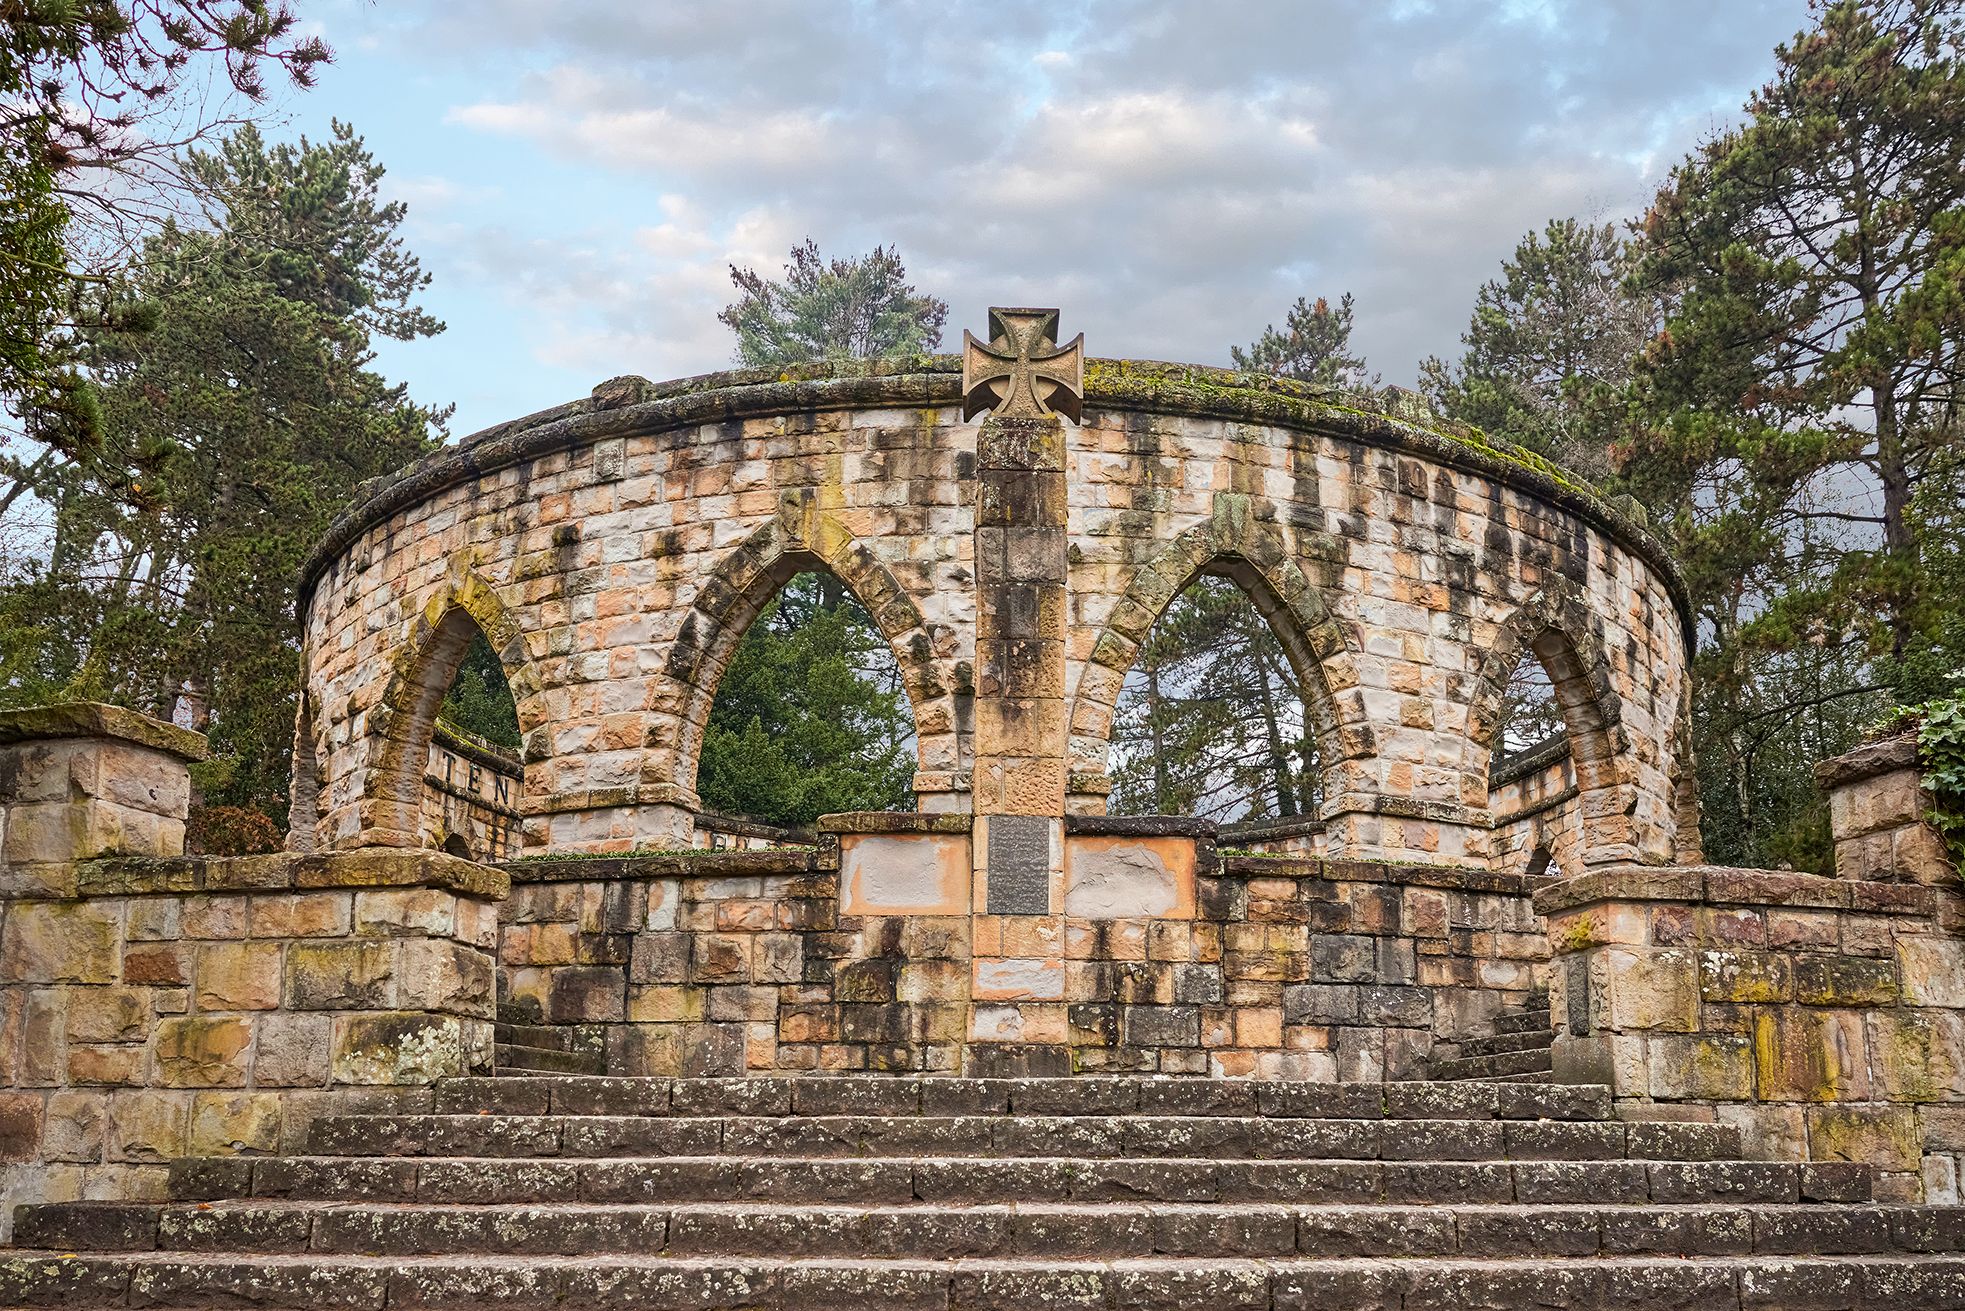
x,y
1941,759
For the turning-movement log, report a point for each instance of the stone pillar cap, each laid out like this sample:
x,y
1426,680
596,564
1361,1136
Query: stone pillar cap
x,y
1867,761
83,719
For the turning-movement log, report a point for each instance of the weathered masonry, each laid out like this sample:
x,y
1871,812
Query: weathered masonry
x,y
615,550
1309,1039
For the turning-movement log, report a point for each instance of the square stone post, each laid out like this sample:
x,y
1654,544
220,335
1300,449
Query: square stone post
x,y
81,779
1877,805
1021,739
1824,1018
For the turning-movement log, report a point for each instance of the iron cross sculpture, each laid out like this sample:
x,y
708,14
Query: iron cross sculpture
x,y
1021,372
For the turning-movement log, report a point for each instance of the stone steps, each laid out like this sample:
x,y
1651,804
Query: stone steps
x,y
1094,1137
1502,1065
582,1192
1521,1040
1025,1230
168,1281
891,1180
1520,1050
1528,1019
1085,1095
545,1048
543,1060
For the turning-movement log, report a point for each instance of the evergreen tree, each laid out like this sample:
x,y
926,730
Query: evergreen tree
x,y
1314,345
1807,376
1558,325
810,717
1791,426
95,97
1211,719
846,309
480,700
234,429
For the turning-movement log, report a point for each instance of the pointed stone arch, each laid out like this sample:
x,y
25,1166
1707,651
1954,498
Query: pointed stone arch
x,y
424,664
1254,554
1557,628
801,538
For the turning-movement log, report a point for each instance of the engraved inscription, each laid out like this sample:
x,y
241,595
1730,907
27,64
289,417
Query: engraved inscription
x,y
1019,865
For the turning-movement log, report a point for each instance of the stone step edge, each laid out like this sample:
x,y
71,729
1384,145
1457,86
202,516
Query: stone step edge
x,y
1410,1231
1083,1095
413,1135
195,1179
1602,1284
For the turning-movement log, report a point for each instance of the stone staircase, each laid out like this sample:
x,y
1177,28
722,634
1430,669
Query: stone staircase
x,y
1518,1050
523,1048
1007,1194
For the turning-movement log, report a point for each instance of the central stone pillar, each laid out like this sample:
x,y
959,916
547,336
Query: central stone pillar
x,y
1017,1008
1018,984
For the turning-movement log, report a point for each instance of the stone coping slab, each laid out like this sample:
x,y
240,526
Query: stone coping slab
x,y
1456,878
372,867
1867,761
1720,885
1269,830
896,821
73,719
1139,826
661,865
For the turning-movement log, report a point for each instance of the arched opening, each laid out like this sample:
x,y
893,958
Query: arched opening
x,y
810,715
1212,720
1551,773
449,770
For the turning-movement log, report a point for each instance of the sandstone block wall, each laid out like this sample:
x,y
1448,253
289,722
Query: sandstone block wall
x,y
185,1007
1266,967
1826,1017
616,549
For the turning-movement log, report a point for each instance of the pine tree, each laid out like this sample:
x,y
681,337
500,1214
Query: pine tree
x,y
234,429
847,309
94,97
1807,376
1560,325
1314,345
810,718
1211,720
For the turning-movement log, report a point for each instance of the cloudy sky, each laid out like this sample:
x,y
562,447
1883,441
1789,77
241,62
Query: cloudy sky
x,y
1171,173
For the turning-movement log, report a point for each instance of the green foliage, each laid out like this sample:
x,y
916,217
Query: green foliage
x,y
1560,324
92,94
1211,720
1313,345
1941,758
850,308
229,831
1791,427
480,700
810,718
1816,347
1529,712
235,426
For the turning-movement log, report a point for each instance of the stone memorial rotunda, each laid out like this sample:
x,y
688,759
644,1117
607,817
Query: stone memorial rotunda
x,y
542,1030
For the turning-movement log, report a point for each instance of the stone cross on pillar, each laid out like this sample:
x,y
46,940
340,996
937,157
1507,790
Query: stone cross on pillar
x,y
1027,383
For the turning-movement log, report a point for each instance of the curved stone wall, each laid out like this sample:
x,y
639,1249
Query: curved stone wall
x,y
614,550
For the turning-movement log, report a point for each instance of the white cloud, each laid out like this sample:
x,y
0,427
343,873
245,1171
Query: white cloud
x,y
1171,174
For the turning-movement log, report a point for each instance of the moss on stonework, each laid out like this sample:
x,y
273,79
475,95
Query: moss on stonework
x,y
1299,401
558,857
